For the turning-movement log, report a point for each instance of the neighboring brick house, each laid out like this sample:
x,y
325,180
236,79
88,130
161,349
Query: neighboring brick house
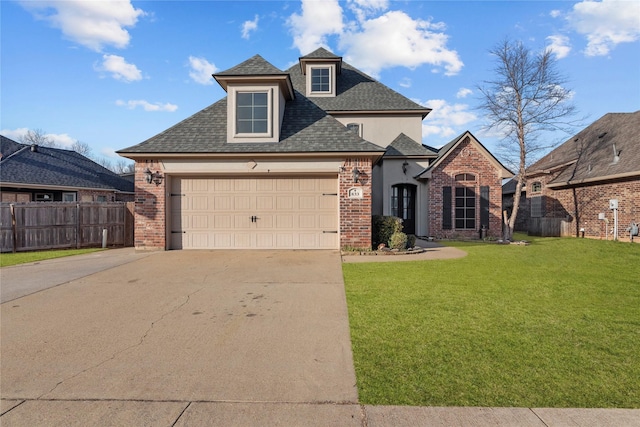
x,y
300,159
508,193
32,173
570,189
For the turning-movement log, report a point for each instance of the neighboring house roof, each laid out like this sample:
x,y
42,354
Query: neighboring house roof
x,y
447,149
404,146
509,187
32,165
607,149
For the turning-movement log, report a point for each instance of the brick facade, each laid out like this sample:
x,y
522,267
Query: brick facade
x,y
580,205
150,228
355,214
465,158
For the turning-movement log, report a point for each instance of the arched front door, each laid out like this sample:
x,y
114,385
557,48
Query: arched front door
x,y
403,205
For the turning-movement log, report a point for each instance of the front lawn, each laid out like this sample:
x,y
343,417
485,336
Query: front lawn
x,y
8,259
552,324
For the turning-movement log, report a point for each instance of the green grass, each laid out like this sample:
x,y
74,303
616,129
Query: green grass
x,y
8,259
552,324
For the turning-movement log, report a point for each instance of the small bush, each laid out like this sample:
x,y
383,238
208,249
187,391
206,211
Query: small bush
x,y
398,241
383,227
411,240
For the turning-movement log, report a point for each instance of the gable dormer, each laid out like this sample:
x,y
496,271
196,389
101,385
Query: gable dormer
x,y
256,96
321,69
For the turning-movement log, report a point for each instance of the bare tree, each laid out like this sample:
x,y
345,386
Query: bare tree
x,y
81,148
37,137
526,98
122,166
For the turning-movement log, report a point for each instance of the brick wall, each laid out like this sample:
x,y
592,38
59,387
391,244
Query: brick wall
x,y
149,208
465,158
355,214
581,205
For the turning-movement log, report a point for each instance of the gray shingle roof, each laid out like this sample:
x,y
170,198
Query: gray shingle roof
x,y
55,167
320,53
403,146
591,151
305,128
357,92
253,66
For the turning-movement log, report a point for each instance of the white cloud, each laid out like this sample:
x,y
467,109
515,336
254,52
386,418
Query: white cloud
x,y
405,82
559,45
119,68
371,42
396,39
201,70
147,106
555,13
318,20
60,140
93,24
446,120
463,92
606,24
249,26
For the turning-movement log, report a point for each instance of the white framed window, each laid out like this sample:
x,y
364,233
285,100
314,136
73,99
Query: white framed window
x,y
536,187
355,128
101,199
44,197
321,80
68,197
252,113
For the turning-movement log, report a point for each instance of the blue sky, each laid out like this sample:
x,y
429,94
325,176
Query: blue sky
x,y
114,73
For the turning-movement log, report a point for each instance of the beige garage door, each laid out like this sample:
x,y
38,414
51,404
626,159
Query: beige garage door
x,y
254,213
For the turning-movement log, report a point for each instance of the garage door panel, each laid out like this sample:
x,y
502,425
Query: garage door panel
x,y
290,213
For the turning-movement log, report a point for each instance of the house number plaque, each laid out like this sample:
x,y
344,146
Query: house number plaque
x,y
355,193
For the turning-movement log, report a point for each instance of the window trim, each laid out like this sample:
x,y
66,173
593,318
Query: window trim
x,y
332,79
269,118
328,82
465,208
275,110
73,195
536,187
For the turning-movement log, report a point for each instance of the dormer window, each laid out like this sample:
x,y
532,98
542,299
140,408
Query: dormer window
x,y
252,112
320,80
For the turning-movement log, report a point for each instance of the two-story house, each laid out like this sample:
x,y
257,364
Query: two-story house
x,y
301,159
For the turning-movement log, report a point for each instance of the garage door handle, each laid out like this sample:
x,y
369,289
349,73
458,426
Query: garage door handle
x,y
254,219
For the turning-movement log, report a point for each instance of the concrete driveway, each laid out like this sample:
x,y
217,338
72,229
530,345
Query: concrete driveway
x,y
235,326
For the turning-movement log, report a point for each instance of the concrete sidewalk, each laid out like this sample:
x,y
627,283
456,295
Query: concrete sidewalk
x,y
191,338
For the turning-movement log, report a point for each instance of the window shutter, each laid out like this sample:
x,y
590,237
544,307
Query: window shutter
x,y
446,208
484,206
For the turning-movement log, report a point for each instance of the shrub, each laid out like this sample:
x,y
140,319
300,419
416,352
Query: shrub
x,y
411,240
383,227
398,241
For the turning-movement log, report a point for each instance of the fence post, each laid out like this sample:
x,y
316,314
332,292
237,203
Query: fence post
x,y
78,239
14,231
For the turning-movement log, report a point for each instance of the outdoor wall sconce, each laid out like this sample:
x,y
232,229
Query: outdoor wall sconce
x,y
405,166
154,177
356,175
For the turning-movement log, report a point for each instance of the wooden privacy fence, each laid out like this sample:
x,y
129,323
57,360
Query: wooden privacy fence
x,y
550,227
57,225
